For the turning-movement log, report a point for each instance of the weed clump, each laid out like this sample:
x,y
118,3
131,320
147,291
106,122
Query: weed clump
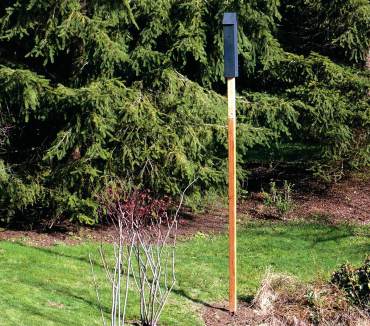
x,y
281,199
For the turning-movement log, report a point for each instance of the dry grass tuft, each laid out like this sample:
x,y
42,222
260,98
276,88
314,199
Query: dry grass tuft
x,y
283,300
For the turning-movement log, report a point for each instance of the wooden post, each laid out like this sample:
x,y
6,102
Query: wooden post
x,y
232,193
230,72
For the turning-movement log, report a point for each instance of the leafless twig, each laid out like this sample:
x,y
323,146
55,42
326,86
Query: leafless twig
x,y
144,250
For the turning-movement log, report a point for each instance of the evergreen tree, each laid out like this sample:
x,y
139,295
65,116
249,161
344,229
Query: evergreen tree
x,y
96,92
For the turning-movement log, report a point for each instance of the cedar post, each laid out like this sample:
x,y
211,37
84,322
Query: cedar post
x,y
230,72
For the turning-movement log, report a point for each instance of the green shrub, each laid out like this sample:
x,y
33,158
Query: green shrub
x,y
337,28
329,110
279,198
355,281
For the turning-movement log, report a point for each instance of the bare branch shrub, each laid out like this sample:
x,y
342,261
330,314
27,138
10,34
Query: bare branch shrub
x,y
144,254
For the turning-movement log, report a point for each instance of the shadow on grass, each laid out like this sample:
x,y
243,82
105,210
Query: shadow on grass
x,y
311,232
183,294
32,310
66,292
48,251
248,299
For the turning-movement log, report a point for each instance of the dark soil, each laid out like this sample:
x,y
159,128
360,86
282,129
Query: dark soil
x,y
218,314
347,201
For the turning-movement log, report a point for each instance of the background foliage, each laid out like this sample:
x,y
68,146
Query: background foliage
x,y
98,91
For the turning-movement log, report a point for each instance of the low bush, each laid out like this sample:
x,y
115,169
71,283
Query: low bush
x,y
355,281
144,247
281,199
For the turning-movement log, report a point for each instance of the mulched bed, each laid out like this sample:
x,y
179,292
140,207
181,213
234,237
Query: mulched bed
x,y
218,314
348,201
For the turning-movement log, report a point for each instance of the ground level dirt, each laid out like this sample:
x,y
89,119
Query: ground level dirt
x,y
283,300
295,311
218,314
347,201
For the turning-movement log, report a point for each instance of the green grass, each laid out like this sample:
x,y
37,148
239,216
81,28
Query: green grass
x,y
53,286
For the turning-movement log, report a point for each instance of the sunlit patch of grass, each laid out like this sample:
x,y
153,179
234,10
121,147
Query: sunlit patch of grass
x,y
53,286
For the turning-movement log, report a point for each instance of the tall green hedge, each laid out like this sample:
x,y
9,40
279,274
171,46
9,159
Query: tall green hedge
x,y
93,93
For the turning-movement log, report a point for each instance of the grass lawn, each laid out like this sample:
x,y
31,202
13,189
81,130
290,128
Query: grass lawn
x,y
53,286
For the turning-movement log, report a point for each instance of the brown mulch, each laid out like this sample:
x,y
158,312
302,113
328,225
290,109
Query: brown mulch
x,y
218,314
37,238
213,221
347,201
